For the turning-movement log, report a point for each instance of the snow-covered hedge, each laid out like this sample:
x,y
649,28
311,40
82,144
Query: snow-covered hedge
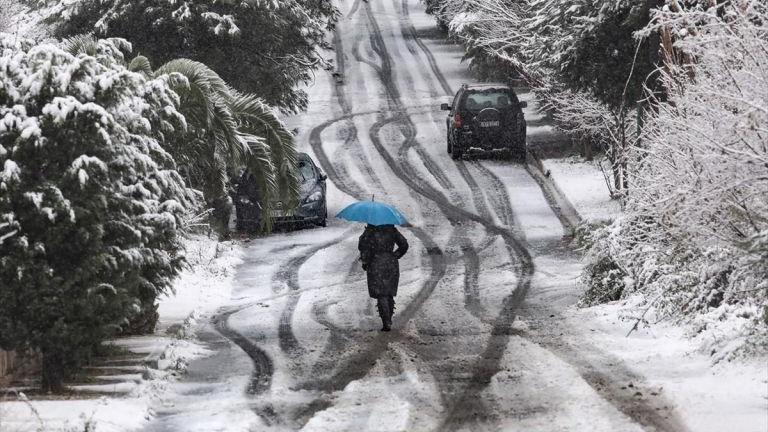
x,y
90,203
695,237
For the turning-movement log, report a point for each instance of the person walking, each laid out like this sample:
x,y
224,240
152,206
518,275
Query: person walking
x,y
380,261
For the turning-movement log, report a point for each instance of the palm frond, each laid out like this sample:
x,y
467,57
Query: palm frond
x,y
205,88
81,44
140,64
258,118
240,129
198,73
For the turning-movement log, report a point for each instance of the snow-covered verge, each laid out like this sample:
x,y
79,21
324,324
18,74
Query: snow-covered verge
x,y
687,363
676,363
585,186
694,239
200,289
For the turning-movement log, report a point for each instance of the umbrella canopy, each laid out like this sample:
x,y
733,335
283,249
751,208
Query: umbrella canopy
x,y
373,212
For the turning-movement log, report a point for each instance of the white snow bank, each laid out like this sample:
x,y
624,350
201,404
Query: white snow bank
x,y
729,396
584,185
199,291
205,286
102,415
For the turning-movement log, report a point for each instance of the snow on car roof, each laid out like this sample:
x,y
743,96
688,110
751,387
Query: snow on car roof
x,y
486,85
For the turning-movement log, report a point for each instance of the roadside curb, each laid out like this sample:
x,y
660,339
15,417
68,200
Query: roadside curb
x,y
558,201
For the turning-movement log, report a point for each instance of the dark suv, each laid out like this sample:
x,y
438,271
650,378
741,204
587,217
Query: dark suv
x,y
486,118
312,206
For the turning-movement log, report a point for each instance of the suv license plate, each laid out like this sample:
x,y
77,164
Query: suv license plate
x,y
278,213
489,124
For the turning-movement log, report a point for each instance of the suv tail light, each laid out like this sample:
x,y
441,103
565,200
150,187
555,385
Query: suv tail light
x,y
459,121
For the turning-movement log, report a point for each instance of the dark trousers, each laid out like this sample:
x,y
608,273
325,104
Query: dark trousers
x,y
386,306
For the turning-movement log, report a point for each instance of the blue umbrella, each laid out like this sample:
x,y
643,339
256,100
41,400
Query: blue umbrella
x,y
373,212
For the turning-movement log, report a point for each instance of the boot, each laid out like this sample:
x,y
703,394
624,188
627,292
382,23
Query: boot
x,y
384,313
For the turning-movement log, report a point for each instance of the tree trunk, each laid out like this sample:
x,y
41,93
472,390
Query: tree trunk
x,y
222,210
587,143
53,371
615,168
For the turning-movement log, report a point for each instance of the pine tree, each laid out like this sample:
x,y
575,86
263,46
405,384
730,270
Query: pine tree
x,y
90,202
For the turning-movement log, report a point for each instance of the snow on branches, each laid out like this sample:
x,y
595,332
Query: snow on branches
x,y
88,195
697,217
275,42
579,56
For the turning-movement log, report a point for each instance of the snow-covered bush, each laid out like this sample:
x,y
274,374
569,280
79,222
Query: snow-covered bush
x,y
267,48
694,237
90,203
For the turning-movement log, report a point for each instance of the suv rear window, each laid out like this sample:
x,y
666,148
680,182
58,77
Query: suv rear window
x,y
491,99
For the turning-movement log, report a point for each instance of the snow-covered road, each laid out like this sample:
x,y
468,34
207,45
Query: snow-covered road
x,y
478,342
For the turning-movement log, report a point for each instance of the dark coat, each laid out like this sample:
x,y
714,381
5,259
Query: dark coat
x,y
377,251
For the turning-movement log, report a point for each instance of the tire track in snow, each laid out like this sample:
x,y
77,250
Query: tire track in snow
x,y
289,274
408,129
339,337
656,417
386,73
500,198
337,340
361,362
469,404
352,136
353,10
469,254
410,30
263,369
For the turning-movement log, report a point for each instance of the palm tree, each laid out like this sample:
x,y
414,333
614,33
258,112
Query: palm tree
x,y
230,130
227,131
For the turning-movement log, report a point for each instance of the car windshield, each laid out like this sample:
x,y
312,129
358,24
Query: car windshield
x,y
306,171
489,99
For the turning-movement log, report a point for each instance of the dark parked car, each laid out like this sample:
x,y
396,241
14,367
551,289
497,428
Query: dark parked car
x,y
486,118
312,208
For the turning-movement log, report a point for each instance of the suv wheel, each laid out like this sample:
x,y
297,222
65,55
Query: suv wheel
x,y
517,155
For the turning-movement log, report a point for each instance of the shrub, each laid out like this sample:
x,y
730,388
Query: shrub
x,y
90,203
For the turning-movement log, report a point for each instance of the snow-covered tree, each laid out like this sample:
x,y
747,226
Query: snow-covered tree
x,y
580,56
267,48
696,230
227,131
90,202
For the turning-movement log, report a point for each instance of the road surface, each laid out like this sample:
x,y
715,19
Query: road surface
x,y
477,343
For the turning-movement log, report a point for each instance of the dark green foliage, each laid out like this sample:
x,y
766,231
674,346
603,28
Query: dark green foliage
x,y
606,59
89,201
264,48
605,282
486,67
